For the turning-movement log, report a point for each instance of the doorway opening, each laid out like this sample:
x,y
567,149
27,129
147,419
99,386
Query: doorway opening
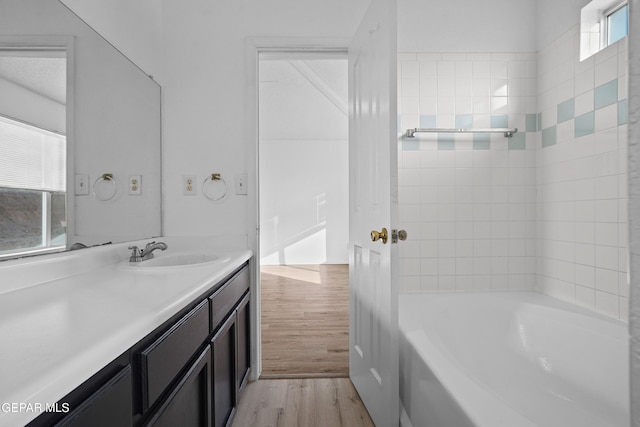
x,y
304,213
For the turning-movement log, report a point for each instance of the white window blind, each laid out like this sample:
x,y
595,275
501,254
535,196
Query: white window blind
x,y
31,158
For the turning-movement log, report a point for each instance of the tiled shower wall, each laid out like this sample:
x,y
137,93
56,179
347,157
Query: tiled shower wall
x,y
582,175
544,210
468,200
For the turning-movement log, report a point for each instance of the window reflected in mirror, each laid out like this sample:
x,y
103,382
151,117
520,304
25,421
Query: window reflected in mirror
x,y
33,151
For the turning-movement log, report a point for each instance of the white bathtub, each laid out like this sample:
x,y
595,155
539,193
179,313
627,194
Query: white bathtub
x,y
513,359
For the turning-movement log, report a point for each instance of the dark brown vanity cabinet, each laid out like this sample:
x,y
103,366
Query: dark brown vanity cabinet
x,y
108,406
229,346
225,392
207,393
169,354
188,372
189,404
243,316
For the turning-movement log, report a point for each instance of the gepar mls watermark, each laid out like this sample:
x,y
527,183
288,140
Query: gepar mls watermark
x,y
37,407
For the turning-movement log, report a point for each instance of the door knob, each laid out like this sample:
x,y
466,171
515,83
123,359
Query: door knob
x,y
379,235
402,235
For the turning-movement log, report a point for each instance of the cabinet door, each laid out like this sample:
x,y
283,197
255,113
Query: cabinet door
x,y
109,406
189,404
224,380
244,338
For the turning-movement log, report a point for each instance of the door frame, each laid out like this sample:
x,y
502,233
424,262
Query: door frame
x,y
253,47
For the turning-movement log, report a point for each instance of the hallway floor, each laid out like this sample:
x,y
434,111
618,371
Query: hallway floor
x,y
317,402
305,321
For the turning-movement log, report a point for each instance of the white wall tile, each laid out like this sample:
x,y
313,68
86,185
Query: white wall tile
x,y
585,275
607,304
410,69
429,267
428,88
584,81
497,218
429,283
446,283
410,284
606,71
584,103
606,118
607,258
586,297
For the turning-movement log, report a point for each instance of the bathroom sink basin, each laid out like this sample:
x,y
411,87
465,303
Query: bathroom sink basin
x,y
177,260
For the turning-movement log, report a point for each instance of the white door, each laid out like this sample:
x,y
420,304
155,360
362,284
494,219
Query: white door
x,y
373,272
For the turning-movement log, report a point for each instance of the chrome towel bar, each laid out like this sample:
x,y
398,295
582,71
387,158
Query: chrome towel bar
x,y
506,131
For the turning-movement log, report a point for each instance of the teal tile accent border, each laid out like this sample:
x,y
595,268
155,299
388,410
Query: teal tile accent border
x,y
606,94
446,141
539,121
566,110
584,124
500,121
549,136
464,121
532,123
481,141
427,121
623,112
410,145
518,141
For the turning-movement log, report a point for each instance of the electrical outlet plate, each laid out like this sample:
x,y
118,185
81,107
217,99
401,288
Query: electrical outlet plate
x,y
135,185
189,187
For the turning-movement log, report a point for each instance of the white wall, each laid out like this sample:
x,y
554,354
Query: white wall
x,y
304,202
554,18
204,94
303,161
133,27
467,26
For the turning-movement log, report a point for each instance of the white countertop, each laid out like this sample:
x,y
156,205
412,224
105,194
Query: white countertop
x,y
56,334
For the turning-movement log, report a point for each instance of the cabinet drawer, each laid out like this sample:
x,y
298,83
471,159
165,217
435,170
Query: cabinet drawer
x,y
225,298
109,406
164,359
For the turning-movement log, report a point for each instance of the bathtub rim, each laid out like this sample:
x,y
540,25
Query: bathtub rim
x,y
480,404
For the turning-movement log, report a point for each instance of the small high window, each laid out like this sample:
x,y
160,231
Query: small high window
x,y
602,23
617,22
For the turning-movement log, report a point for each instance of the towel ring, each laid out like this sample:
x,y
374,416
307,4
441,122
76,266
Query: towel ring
x,y
214,187
105,188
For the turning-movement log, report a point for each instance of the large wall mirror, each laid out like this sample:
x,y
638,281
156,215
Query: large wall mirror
x,y
79,135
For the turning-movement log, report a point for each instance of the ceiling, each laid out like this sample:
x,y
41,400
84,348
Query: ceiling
x,y
44,76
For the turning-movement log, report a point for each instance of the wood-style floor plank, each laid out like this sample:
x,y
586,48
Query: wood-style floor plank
x,y
305,320
321,402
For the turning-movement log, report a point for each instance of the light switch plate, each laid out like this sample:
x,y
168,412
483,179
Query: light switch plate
x,y
241,183
82,185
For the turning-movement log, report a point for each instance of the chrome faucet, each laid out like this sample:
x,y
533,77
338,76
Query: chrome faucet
x,y
138,255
